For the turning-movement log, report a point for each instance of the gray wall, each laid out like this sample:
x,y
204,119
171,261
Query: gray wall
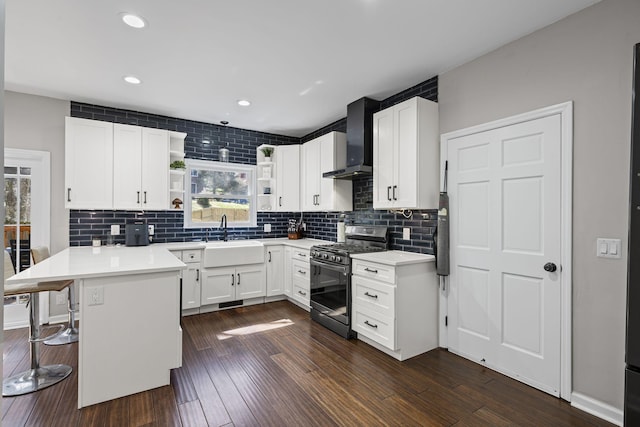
x,y
37,123
586,58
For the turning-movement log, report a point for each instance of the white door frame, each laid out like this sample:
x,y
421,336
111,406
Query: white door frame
x,y
566,117
40,214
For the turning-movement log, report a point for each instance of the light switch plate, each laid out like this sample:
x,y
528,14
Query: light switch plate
x,y
267,228
608,248
115,230
406,233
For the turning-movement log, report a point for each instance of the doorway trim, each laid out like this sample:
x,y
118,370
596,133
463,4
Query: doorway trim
x,y
41,215
565,110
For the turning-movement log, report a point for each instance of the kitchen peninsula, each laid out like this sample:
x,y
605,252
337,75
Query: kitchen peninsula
x,y
130,335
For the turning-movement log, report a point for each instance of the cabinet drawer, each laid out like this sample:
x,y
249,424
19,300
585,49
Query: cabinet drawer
x,y
192,255
374,295
300,254
374,270
300,270
375,326
301,292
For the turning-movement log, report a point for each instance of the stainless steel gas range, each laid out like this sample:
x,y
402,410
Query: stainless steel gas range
x,y
331,275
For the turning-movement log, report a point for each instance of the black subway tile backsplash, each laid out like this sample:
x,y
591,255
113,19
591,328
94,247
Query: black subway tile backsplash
x,y
242,144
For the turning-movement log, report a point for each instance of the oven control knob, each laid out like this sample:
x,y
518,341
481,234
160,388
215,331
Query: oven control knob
x,y
325,256
338,259
333,257
314,253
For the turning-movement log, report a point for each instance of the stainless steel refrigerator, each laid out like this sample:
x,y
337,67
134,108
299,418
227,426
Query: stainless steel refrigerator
x,y
632,372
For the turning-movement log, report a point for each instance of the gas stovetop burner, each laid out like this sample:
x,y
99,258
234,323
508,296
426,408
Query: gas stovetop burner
x,y
359,239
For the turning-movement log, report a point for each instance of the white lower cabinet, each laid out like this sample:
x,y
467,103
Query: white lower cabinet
x,y
275,270
287,280
190,279
395,308
226,284
300,278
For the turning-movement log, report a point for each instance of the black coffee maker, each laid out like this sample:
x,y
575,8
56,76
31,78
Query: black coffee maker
x,y
136,234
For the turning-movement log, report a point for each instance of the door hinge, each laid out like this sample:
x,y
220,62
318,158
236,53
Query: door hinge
x,y
446,320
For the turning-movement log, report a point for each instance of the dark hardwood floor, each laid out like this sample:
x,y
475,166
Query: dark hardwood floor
x,y
271,365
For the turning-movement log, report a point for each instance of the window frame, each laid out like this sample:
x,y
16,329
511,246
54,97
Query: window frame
x,y
195,164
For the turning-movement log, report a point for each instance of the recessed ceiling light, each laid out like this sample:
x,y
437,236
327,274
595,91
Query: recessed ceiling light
x,y
244,103
132,80
133,20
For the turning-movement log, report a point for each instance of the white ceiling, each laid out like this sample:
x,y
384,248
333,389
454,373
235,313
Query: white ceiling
x,y
300,62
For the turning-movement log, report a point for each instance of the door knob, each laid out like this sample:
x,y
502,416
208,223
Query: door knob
x,y
550,267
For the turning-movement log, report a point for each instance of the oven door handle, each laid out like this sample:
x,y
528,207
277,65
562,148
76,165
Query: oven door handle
x,y
319,264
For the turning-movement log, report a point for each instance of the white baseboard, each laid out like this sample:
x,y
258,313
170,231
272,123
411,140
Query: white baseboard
x,y
597,408
62,318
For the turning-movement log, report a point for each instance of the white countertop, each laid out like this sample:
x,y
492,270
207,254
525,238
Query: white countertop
x,y
395,258
86,261
299,243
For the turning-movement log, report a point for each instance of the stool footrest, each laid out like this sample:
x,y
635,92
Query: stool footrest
x,y
68,336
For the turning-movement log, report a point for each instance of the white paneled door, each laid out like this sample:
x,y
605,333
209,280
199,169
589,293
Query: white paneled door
x,y
504,302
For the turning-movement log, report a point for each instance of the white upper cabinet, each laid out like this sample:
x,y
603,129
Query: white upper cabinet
x,y
288,178
406,156
155,170
88,164
325,154
140,172
116,166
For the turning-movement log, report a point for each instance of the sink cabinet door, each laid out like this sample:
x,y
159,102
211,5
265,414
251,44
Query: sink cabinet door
x,y
191,286
250,281
275,264
218,285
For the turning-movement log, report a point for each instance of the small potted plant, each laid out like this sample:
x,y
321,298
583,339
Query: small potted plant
x,y
178,164
267,151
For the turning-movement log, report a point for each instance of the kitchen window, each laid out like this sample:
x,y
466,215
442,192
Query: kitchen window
x,y
214,189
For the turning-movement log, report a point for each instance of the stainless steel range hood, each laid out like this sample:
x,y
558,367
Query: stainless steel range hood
x,y
359,140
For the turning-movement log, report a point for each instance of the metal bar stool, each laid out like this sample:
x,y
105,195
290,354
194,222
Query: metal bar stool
x,y
70,334
38,377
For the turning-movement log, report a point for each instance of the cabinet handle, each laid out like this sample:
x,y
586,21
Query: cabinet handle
x,y
280,201
197,274
145,197
302,272
233,279
371,295
371,270
304,294
138,197
366,322
389,191
238,279
318,200
269,256
394,192
68,194
301,254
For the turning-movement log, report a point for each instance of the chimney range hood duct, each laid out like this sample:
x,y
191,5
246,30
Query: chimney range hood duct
x,y
359,140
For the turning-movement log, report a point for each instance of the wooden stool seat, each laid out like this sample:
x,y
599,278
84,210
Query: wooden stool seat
x,y
29,288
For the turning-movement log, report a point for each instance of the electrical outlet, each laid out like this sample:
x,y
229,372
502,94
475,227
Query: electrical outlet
x,y
115,230
406,233
95,295
152,229
61,299
267,228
